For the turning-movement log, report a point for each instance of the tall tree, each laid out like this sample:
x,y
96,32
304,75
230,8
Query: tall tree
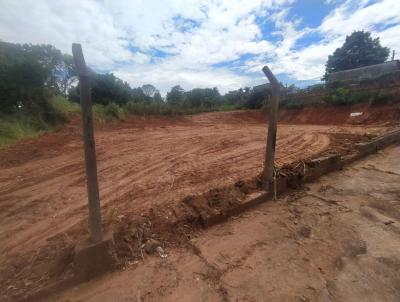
x,y
107,88
359,49
22,80
22,85
157,98
149,90
60,68
176,96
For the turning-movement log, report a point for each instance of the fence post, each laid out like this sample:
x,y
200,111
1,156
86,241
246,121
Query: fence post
x,y
268,173
89,144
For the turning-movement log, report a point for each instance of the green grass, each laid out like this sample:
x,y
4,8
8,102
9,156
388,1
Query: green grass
x,y
19,126
344,97
62,106
106,113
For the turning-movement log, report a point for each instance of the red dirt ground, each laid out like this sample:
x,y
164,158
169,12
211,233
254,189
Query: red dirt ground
x,y
143,163
336,240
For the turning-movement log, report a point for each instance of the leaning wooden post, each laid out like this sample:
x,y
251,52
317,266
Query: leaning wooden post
x,y
269,166
89,143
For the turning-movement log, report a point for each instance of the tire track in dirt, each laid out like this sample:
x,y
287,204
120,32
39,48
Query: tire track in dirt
x,y
139,167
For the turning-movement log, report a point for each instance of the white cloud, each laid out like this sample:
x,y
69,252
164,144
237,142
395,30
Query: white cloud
x,y
308,63
165,78
197,37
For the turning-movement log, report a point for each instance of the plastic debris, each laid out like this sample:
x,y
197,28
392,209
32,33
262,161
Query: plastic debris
x,y
161,252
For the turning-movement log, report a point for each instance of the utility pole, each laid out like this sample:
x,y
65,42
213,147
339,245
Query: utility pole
x,y
269,166
89,144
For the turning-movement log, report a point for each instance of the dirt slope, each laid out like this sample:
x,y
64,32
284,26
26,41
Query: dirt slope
x,y
340,115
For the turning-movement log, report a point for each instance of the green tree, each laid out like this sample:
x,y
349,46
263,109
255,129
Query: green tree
x,y
149,90
22,81
359,49
237,97
60,68
138,96
256,98
22,85
106,89
203,97
176,96
157,98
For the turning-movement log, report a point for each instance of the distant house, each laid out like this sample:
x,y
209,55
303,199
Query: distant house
x,y
370,72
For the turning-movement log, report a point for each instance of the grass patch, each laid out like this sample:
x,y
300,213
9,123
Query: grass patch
x,y
344,96
106,113
19,126
62,106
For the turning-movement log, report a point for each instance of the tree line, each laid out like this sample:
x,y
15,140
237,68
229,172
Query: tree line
x,y
31,74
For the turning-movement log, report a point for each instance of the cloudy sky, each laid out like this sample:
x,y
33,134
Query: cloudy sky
x,y
201,43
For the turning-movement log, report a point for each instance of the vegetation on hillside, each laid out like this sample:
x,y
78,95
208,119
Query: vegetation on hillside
x,y
30,75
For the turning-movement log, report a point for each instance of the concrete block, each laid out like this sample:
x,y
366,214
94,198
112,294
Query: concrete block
x,y
322,165
94,259
378,143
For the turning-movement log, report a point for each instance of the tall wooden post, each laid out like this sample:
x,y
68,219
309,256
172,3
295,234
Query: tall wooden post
x,y
272,128
89,143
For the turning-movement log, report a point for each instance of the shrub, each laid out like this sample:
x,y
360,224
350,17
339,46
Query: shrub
x,y
99,112
140,108
345,96
62,106
105,113
112,110
339,96
292,104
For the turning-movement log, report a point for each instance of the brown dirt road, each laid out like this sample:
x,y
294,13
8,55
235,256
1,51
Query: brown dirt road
x,y
142,163
337,240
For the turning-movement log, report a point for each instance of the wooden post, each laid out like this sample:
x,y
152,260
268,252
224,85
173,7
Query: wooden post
x,y
272,128
89,143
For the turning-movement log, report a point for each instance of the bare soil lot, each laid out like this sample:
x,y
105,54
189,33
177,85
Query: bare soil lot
x,y
143,163
337,240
